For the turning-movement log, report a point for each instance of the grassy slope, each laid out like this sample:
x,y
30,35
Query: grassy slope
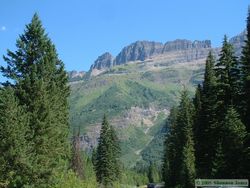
x,y
124,87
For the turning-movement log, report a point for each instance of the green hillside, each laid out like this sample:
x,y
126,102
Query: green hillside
x,y
122,89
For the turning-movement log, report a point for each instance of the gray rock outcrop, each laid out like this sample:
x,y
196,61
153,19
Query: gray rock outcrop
x,y
139,50
238,42
104,61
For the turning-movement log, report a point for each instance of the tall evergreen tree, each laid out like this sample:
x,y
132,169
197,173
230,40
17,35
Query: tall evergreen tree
x,y
116,153
245,60
229,158
169,169
205,124
16,156
228,78
179,159
41,86
186,147
106,159
234,134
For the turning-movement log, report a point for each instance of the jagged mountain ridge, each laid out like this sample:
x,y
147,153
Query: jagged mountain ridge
x,y
142,50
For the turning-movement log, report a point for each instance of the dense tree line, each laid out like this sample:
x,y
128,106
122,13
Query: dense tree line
x,y
209,136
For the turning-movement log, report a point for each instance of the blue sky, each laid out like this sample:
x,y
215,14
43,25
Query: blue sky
x,y
84,29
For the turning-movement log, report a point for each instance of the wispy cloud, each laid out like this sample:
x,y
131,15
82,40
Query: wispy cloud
x,y
3,28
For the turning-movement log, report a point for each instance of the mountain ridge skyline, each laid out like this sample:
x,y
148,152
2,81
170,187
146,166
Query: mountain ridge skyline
x,y
107,60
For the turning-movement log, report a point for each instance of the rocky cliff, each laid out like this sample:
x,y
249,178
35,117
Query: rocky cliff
x,y
238,42
139,50
178,45
104,61
181,50
143,50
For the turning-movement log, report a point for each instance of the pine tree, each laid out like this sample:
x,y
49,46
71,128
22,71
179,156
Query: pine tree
x,y
41,86
116,153
245,61
234,134
229,159
169,169
228,78
204,130
186,147
16,156
179,159
106,160
188,162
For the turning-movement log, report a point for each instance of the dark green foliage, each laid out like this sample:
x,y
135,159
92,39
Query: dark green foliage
x,y
205,120
179,159
185,148
229,159
107,164
245,60
169,171
234,134
16,156
116,153
228,78
188,172
41,87
217,121
218,162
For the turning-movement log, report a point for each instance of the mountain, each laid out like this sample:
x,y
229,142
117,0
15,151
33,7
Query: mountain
x,y
143,50
136,89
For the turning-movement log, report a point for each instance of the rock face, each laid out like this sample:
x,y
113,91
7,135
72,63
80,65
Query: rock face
x,y
139,50
185,45
238,42
142,50
104,61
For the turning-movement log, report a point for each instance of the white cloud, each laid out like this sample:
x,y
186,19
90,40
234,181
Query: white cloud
x,y
3,28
